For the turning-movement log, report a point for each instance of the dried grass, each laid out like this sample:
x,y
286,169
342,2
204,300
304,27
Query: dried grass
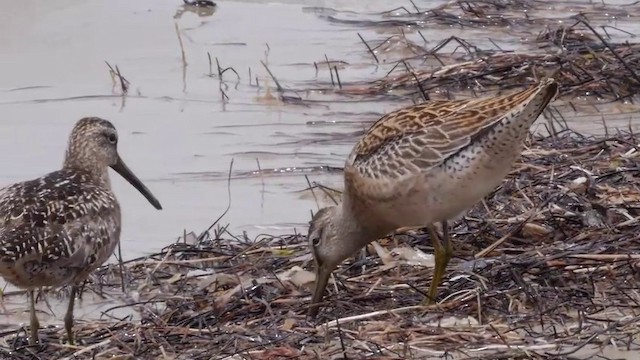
x,y
564,278
581,50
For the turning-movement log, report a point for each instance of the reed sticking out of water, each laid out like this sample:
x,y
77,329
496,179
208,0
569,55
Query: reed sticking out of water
x,y
425,95
226,210
310,188
221,71
222,86
262,182
279,88
414,6
335,68
329,67
369,48
182,52
184,58
115,74
223,94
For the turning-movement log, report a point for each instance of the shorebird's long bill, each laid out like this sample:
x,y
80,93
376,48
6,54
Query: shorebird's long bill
x,y
121,168
322,279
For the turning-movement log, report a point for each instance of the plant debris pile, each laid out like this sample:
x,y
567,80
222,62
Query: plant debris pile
x,y
547,265
584,52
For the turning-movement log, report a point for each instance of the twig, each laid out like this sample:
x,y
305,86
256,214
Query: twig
x,y
228,203
338,77
369,48
349,319
278,87
87,349
330,72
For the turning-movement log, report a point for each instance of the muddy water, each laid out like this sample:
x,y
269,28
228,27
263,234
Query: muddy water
x,y
176,131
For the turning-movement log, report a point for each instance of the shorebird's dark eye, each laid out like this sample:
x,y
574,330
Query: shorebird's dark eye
x,y
315,241
112,138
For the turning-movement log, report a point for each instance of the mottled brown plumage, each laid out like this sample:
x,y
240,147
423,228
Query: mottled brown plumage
x,y
56,229
422,165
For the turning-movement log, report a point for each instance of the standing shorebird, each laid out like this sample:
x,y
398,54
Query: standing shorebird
x,y
56,229
419,166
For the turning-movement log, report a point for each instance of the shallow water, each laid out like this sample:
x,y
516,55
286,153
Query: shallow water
x,y
176,132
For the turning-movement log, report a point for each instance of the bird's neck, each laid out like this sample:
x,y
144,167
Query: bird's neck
x,y
97,174
359,231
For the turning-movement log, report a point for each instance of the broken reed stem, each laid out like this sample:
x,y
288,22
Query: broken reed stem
x,y
329,67
278,87
182,53
369,48
115,74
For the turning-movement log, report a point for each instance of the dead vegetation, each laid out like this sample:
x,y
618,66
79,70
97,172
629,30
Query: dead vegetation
x,y
575,42
562,280
592,69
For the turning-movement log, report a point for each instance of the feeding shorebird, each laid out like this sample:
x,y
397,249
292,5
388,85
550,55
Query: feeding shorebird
x,y
419,166
56,229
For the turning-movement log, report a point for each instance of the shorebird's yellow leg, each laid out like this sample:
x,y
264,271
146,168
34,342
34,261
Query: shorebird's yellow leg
x,y
34,324
442,253
68,318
